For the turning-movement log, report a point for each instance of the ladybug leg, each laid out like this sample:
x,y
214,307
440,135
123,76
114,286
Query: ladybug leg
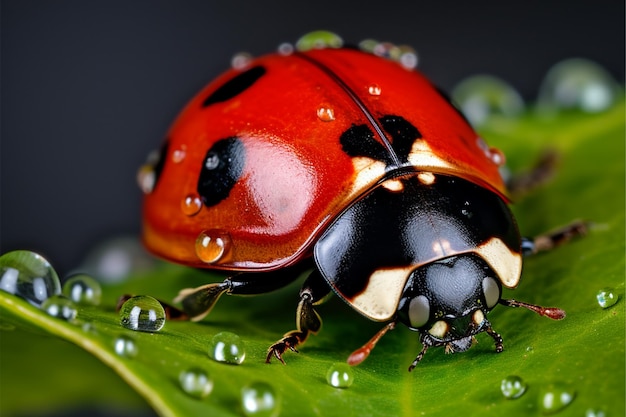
x,y
198,302
523,182
550,240
314,291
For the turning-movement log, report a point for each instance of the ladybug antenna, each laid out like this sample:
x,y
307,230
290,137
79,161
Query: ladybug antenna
x,y
553,313
363,352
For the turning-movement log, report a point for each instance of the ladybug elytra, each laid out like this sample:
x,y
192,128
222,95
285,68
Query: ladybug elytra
x,y
353,165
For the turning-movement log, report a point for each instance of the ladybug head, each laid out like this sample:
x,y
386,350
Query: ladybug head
x,y
447,301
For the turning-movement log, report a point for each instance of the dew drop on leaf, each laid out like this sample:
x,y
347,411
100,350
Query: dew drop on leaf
x,y
591,412
142,313
555,398
196,382
513,387
607,297
83,290
60,307
339,375
259,399
29,276
125,346
227,347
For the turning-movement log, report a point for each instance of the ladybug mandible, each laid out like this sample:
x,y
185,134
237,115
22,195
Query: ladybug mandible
x,y
353,165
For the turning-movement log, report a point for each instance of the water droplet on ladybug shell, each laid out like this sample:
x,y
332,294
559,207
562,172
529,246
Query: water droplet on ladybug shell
x,y
212,245
319,39
191,205
374,90
241,60
496,156
285,48
325,113
179,154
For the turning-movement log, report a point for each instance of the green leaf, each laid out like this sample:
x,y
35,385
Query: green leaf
x,y
41,372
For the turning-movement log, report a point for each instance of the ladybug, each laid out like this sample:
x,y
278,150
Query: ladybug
x,y
349,163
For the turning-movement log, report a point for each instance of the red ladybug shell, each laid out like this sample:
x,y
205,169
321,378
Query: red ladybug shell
x,y
287,115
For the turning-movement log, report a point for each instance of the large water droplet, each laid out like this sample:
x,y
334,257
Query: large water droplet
x,y
196,382
555,397
83,289
212,245
325,113
319,39
142,313
60,307
577,84
607,297
513,387
227,347
339,375
482,97
191,205
259,399
125,346
29,276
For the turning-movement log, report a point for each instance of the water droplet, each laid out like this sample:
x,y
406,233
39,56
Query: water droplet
x,y
178,155
285,48
325,113
228,348
212,245
577,84
530,349
408,57
594,413
125,346
513,387
191,205
319,39
82,289
196,382
29,276
115,259
241,60
607,297
374,90
259,399
146,178
496,156
387,50
60,307
482,97
368,45
555,397
339,375
142,313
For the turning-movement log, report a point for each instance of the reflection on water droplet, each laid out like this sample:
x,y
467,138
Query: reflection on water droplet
x,y
555,397
607,297
496,156
285,48
29,276
212,245
227,347
482,97
339,375
82,289
191,205
577,84
60,307
374,90
142,313
513,387
594,413
196,382
325,113
241,61
259,399
178,155
319,39
125,346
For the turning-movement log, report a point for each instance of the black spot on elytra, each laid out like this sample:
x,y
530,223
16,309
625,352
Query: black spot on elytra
x,y
235,86
359,140
221,168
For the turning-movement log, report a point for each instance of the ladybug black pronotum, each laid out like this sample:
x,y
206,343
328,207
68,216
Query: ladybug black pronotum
x,y
353,165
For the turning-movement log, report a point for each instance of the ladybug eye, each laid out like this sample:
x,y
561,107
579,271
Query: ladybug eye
x,y
491,290
221,169
419,311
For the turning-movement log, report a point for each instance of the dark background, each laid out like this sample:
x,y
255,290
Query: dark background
x,y
89,87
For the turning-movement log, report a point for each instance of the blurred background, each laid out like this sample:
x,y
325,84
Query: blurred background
x,y
89,87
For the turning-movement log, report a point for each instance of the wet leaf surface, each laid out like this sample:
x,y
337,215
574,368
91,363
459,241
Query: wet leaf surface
x,y
49,366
